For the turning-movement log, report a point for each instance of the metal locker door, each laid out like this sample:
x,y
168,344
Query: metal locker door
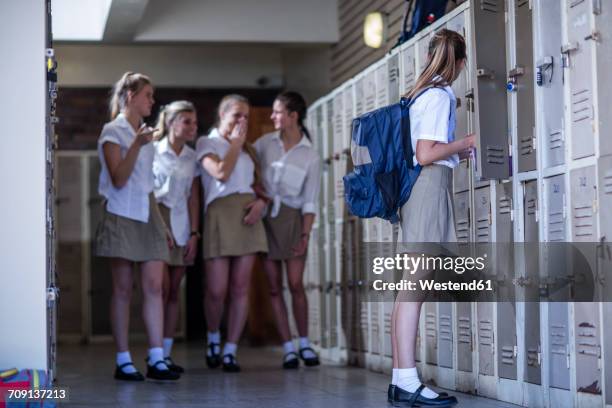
x,y
375,315
583,198
445,334
70,248
408,68
578,53
605,198
558,338
464,337
315,299
431,333
482,212
486,338
607,310
387,347
490,102
462,216
506,310
338,294
588,347
339,158
369,91
382,85
359,96
363,327
554,188
532,309
330,289
603,16
550,83
522,76
393,77
422,49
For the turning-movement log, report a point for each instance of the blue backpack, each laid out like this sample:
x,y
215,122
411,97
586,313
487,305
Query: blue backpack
x,y
384,173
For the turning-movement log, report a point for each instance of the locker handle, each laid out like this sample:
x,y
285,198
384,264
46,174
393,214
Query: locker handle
x,y
485,73
595,36
470,94
567,48
516,72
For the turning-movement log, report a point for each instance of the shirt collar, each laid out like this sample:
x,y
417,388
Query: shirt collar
x,y
304,141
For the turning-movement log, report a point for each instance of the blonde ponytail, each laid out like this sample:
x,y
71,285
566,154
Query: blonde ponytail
x,y
129,81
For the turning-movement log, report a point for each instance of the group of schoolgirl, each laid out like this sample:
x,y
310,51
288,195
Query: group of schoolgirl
x,y
256,199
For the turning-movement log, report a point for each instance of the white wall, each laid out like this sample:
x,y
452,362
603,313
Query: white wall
x,y
23,332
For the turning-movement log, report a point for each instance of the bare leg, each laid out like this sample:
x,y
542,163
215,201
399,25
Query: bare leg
x,y
152,306
275,282
217,276
171,311
120,301
295,274
242,268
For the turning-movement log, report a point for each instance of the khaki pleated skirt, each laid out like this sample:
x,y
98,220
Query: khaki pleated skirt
x,y
121,237
225,234
429,215
177,254
283,232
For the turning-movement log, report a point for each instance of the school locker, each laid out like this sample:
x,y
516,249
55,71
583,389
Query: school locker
x,y
607,340
558,344
462,216
322,241
362,291
314,299
522,77
369,91
532,309
445,334
70,243
603,29
604,168
431,332
486,338
482,212
338,158
409,75
488,47
382,84
578,58
386,240
393,76
555,227
464,337
549,83
584,204
339,286
588,347
374,310
422,50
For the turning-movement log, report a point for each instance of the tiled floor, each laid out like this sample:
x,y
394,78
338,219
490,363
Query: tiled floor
x,y
87,371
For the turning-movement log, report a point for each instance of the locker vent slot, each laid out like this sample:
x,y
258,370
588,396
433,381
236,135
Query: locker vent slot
x,y
387,322
359,98
583,220
531,206
556,139
526,145
495,154
446,331
521,3
558,339
464,334
370,92
507,355
607,182
409,70
532,356
490,5
430,326
581,105
556,226
587,340
381,89
504,205
485,332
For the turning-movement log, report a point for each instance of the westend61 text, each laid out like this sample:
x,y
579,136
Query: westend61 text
x,y
430,284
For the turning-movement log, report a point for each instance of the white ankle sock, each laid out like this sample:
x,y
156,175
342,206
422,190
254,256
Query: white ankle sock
x,y
303,344
288,347
157,354
394,377
125,357
230,348
408,380
213,337
167,344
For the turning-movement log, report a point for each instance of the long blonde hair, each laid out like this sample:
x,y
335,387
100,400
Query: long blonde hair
x,y
130,81
226,103
168,113
446,49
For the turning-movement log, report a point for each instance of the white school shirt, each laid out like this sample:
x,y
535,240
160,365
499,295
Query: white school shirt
x,y
431,118
131,200
242,177
290,177
173,176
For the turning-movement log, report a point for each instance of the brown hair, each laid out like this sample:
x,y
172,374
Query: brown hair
x,y
446,49
168,113
130,81
294,102
226,102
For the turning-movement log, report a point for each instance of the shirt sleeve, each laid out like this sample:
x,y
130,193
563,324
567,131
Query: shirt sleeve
x,y
109,135
312,186
204,146
434,108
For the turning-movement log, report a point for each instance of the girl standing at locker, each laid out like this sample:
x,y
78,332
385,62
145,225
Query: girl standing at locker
x,y
428,216
177,192
131,230
233,230
291,171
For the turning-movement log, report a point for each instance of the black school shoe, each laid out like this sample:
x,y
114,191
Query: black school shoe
x,y
292,363
403,398
173,367
123,376
214,360
231,366
312,361
391,391
155,373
